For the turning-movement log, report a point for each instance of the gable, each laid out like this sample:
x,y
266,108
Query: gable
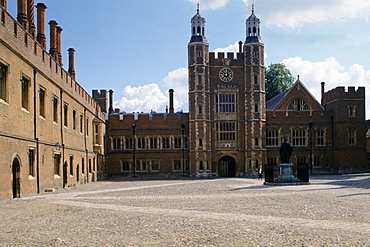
x,y
297,98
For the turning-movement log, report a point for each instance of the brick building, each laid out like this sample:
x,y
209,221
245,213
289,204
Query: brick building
x,y
51,130
230,129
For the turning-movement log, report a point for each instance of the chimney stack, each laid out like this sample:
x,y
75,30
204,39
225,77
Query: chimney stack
x,y
322,92
31,17
41,24
22,13
240,47
53,39
3,3
171,100
59,45
71,59
110,110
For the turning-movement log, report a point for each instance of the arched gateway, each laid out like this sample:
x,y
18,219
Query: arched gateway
x,y
226,167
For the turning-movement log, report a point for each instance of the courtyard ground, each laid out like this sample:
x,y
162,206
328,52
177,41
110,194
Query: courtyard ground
x,y
331,211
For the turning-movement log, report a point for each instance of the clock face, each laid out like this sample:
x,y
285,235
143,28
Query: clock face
x,y
226,74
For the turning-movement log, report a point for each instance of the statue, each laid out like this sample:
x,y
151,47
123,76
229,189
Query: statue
x,y
285,151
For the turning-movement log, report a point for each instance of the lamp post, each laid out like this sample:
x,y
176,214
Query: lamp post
x,y
183,149
134,148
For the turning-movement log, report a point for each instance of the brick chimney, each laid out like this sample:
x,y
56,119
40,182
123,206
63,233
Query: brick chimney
x,y
322,93
53,39
59,44
41,24
22,13
110,110
3,3
240,47
31,17
171,100
71,60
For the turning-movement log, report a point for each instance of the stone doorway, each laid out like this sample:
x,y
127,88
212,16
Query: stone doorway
x,y
65,178
16,177
226,167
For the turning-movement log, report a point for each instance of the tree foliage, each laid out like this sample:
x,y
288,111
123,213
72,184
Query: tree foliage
x,y
278,78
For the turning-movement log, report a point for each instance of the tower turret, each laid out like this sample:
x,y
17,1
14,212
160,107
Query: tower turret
x,y
253,28
198,26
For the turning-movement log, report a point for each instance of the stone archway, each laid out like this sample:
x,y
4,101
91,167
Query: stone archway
x,y
226,166
16,178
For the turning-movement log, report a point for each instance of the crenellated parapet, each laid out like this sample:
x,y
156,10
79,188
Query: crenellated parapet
x,y
229,58
341,93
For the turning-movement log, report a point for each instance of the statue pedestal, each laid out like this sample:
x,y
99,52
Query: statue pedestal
x,y
286,173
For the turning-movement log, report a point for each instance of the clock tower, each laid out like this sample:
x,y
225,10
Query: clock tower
x,y
226,104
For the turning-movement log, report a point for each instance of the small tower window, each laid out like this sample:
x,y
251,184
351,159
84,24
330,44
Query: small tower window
x,y
198,30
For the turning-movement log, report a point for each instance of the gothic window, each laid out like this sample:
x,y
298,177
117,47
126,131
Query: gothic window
x,y
116,143
166,143
256,108
129,143
96,131
299,105
351,111
42,102
302,160
272,161
3,85
272,137
141,165
200,109
255,80
81,123
200,142
249,31
153,143
198,30
177,142
25,93
155,165
351,136
225,103
57,159
125,165
177,165
31,162
320,136
317,160
299,137
65,113
226,131
193,30
141,143
254,31
55,109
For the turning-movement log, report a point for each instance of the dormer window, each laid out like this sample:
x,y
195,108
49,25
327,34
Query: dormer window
x,y
299,105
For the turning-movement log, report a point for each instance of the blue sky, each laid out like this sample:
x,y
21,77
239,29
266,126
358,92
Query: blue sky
x,y
138,48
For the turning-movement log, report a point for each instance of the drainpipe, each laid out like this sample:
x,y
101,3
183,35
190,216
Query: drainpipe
x,y
85,142
62,137
310,124
35,131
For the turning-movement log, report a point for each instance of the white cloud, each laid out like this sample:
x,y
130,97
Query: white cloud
x,y
142,99
150,97
210,4
331,72
293,13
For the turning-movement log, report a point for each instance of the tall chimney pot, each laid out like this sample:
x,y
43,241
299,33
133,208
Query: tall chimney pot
x,y
110,110
171,100
31,17
22,13
59,45
53,39
41,24
3,3
71,60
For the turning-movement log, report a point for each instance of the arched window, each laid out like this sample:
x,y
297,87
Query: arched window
x,y
198,30
193,30
254,31
249,31
299,105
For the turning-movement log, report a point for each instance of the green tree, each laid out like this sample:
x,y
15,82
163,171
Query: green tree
x,y
278,78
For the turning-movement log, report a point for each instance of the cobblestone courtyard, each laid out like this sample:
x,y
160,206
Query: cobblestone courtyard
x,y
331,211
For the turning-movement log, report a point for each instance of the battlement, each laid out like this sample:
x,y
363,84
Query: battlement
x,y
231,58
14,35
96,94
150,120
341,93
